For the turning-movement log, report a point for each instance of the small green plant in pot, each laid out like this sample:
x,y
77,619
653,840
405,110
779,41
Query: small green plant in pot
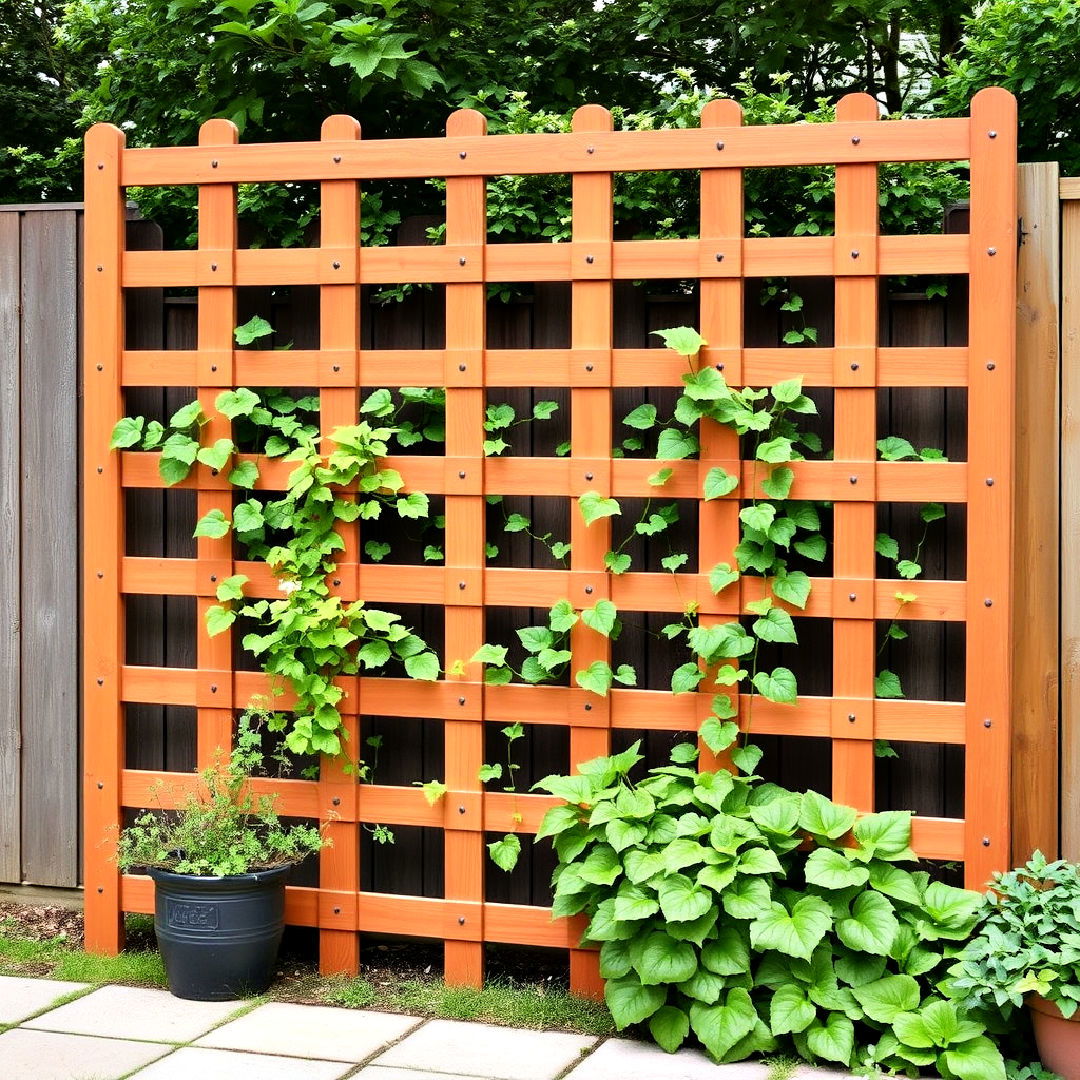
x,y
1027,951
219,865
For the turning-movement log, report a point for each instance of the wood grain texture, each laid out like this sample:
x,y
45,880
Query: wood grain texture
x,y
10,551
466,224
625,151
991,337
1070,530
102,626
217,320
49,549
1036,571
339,864
855,432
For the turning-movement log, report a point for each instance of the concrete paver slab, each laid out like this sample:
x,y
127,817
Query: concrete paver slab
x,y
127,1012
20,998
198,1063
27,1054
481,1050
623,1059
312,1031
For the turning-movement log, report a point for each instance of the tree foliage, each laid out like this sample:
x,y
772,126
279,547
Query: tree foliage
x,y
278,67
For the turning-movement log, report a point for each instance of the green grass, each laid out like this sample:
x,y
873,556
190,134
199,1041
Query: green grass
x,y
496,1003
56,959
142,968
781,1067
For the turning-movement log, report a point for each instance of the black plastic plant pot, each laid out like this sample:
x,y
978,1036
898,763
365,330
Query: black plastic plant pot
x,y
219,936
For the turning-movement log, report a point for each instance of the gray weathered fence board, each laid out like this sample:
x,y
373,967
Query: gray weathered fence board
x,y
50,554
10,667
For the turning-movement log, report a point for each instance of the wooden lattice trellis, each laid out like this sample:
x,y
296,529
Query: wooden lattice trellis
x,y
721,259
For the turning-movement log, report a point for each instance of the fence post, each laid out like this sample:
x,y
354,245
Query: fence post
x,y
103,627
1070,524
1036,566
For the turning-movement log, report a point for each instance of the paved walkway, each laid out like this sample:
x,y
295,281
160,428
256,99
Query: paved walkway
x,y
70,1031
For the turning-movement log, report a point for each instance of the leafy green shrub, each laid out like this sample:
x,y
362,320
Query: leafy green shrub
x,y
224,829
1027,941
758,918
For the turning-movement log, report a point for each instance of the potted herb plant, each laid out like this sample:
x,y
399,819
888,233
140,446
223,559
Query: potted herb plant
x,y
219,865
1027,950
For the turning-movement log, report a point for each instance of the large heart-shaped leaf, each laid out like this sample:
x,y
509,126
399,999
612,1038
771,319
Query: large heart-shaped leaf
x,y
721,1026
795,933
872,925
630,1001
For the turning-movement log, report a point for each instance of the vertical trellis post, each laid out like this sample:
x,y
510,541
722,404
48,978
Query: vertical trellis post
x,y
339,331
991,378
590,454
466,230
721,300
855,426
103,539
217,321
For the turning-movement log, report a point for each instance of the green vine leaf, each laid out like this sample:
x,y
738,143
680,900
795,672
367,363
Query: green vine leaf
x,y
719,482
232,588
433,791
234,403
887,685
245,475
490,654
721,576
675,444
596,678
127,432
778,685
376,550
216,456
813,547
684,340
642,418
617,562
256,327
424,666
505,852
595,506
186,417
601,617
213,525
777,485
219,619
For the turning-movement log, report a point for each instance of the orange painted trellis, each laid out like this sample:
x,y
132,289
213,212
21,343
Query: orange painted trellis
x,y
721,259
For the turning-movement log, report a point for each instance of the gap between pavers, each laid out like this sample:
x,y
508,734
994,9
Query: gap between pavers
x,y
386,1072
207,1063
20,999
29,1054
128,1012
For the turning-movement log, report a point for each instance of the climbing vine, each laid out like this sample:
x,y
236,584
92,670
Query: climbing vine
x,y
309,636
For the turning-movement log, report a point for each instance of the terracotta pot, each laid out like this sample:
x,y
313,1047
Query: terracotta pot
x,y
1058,1039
